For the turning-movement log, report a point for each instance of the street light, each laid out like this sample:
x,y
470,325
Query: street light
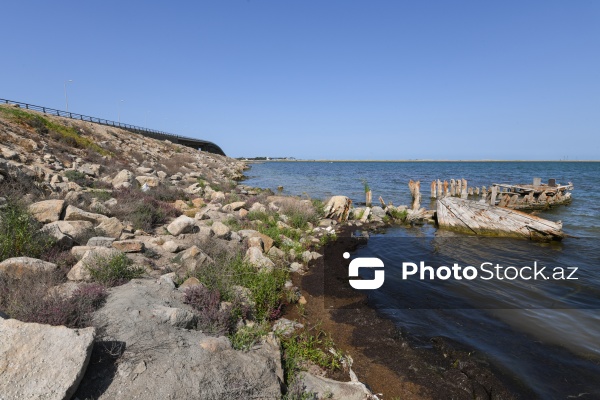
x,y
119,107
66,98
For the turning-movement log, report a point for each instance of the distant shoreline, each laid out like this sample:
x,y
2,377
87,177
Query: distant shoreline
x,y
414,161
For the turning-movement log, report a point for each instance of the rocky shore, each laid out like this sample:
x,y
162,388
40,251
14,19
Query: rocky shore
x,y
144,269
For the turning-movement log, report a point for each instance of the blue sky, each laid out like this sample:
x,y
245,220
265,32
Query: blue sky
x,y
320,79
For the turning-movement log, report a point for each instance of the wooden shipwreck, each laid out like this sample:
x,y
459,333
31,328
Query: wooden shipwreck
x,y
530,197
479,218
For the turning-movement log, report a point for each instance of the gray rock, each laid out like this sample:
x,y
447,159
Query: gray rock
x,y
182,224
233,206
111,227
175,317
101,241
220,230
122,178
151,181
378,211
47,211
275,252
129,246
326,388
62,240
255,256
41,361
286,327
179,363
77,214
172,246
17,267
296,267
74,229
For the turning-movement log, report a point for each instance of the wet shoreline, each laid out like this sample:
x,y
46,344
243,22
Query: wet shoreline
x,y
387,359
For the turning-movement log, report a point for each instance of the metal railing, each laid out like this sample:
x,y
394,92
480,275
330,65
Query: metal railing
x,y
152,133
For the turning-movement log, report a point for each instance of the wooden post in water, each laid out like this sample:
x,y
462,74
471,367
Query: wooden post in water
x,y
463,192
369,198
471,191
452,188
445,188
415,191
477,191
434,190
440,189
493,196
483,192
458,187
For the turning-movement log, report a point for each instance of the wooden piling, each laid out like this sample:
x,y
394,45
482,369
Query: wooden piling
x,y
440,191
368,198
445,188
452,187
463,192
415,191
434,190
493,195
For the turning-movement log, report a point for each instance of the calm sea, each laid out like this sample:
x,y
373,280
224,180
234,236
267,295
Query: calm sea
x,y
544,337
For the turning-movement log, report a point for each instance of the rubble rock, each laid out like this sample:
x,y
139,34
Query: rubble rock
x,y
129,246
111,227
41,361
17,267
77,214
47,211
182,224
220,230
255,256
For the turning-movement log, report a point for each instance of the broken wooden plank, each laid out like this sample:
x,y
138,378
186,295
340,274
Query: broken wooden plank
x,y
488,220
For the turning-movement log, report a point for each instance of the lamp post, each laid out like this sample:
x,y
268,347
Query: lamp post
x,y
119,111
66,97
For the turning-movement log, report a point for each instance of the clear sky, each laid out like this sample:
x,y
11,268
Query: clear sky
x,y
320,79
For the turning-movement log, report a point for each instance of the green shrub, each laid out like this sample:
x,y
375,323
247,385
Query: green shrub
x,y
397,214
312,346
247,336
113,271
78,177
229,270
19,233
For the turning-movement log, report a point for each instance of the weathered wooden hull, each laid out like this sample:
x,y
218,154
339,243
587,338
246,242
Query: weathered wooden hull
x,y
482,219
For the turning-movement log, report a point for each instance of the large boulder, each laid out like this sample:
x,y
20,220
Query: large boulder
x,y
124,179
182,224
111,227
42,361
47,211
129,246
17,267
255,256
151,181
75,229
220,230
76,214
231,207
338,208
267,241
163,361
